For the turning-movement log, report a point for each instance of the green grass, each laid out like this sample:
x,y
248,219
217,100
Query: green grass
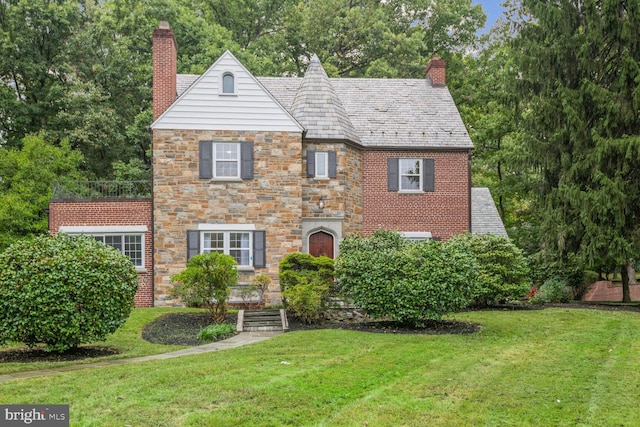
x,y
553,367
126,340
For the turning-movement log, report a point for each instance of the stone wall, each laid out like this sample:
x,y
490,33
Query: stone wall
x,y
444,212
272,200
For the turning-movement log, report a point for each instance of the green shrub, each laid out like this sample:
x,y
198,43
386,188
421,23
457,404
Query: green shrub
x,y
504,272
258,286
216,332
63,291
410,282
306,283
553,290
207,282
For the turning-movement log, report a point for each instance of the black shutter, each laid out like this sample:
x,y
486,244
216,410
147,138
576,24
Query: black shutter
x,y
246,160
206,159
311,163
428,170
393,171
193,243
259,249
333,165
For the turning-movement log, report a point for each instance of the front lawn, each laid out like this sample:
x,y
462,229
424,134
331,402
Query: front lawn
x,y
541,367
126,341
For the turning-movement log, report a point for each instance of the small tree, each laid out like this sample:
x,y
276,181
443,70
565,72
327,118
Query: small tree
x,y
504,271
306,283
63,291
207,282
410,282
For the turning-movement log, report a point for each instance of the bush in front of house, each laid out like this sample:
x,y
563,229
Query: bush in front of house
x,y
504,272
216,332
409,282
306,283
207,282
554,290
63,291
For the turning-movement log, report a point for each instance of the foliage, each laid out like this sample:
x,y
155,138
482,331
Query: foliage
x,y
552,291
26,176
216,332
258,286
207,282
63,291
410,282
579,66
306,283
503,273
547,265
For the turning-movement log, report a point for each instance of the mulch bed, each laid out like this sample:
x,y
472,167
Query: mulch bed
x,y
180,328
27,355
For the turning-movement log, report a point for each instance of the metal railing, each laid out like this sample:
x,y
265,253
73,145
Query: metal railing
x,y
89,190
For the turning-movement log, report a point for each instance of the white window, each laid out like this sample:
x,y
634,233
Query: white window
x,y
226,161
410,174
322,164
129,240
238,244
130,245
228,83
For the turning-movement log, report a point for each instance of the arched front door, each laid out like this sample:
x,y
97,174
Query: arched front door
x,y
321,243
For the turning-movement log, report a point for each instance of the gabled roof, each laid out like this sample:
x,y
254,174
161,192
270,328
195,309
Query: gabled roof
x,y
378,113
484,214
202,105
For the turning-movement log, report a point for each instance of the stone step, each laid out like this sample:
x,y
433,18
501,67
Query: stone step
x,y
262,320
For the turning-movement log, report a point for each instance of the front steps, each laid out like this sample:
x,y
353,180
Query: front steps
x,y
262,320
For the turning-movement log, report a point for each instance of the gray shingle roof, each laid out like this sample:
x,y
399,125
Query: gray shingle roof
x,y
484,214
318,108
390,113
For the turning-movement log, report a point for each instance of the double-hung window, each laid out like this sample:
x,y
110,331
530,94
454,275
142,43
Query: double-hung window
x,y
241,241
410,175
238,244
226,160
322,164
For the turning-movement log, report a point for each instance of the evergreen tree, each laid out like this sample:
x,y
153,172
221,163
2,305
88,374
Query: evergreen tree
x,y
580,64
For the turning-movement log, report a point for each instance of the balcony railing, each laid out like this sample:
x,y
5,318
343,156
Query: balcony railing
x,y
90,190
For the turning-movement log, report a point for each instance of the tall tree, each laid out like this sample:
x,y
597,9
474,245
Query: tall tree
x,y
580,64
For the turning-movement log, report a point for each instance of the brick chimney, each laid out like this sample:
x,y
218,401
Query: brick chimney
x,y
165,51
436,71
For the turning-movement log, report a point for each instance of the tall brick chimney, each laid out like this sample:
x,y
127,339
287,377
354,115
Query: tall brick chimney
x,y
165,51
436,71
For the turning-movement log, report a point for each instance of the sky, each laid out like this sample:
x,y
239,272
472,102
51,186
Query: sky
x,y
493,10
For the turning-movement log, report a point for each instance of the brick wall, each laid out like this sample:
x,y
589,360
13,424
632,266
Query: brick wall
x,y
272,200
111,213
444,212
164,69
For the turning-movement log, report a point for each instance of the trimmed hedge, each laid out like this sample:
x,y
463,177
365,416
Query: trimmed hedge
x,y
410,282
504,271
63,291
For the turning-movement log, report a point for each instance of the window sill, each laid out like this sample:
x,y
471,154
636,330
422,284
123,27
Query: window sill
x,y
228,94
411,192
226,179
245,268
322,178
141,270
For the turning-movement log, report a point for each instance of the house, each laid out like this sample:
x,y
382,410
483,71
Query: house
x,y
260,167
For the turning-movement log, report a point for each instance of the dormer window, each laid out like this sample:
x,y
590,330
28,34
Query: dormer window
x,y
228,84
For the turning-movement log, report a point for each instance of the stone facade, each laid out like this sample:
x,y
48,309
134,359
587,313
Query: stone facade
x,y
272,200
444,212
100,213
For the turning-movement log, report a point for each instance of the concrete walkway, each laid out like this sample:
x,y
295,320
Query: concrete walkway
x,y
243,338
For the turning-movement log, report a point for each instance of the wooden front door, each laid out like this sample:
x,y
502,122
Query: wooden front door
x,y
321,243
